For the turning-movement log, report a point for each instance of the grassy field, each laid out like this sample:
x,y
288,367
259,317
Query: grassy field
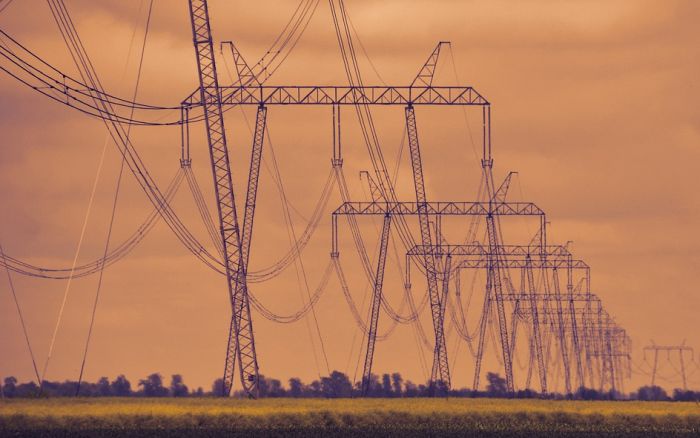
x,y
319,417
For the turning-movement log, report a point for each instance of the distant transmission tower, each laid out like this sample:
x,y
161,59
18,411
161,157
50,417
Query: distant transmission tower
x,y
680,349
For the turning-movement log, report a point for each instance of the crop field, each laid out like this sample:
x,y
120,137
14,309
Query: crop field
x,y
208,417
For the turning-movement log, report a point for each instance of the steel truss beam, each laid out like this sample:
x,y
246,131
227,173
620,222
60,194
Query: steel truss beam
x,y
477,249
544,297
345,95
523,263
440,208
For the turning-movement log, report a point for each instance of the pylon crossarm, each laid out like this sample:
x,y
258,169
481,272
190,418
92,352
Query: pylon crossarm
x,y
345,95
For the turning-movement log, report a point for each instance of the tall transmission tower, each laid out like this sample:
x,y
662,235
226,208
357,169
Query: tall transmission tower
x,y
241,333
668,349
236,244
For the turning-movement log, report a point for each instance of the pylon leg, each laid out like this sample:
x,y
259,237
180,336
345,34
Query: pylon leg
x,y
376,303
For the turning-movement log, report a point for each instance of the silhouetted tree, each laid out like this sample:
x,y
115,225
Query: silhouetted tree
x,y
217,388
685,395
411,389
314,389
9,388
120,387
269,387
65,389
397,383
651,393
386,385
437,389
275,389
592,394
374,389
262,387
526,393
178,387
296,387
461,392
153,386
496,385
30,389
587,394
336,385
102,388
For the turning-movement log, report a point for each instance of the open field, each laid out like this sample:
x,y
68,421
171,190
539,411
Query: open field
x,y
344,417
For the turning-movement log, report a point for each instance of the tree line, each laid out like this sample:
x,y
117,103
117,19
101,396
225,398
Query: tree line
x,y
336,385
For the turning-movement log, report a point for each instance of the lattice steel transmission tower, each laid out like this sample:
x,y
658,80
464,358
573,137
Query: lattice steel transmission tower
x,y
680,349
241,333
251,91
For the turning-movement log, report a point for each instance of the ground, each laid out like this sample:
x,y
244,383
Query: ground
x,y
209,417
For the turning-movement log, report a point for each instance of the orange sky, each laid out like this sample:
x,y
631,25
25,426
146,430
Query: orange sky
x,y
594,104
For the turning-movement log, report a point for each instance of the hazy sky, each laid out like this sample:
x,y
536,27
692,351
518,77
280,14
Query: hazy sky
x,y
594,104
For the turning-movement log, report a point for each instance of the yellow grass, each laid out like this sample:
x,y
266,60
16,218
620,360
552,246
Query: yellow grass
x,y
216,406
215,417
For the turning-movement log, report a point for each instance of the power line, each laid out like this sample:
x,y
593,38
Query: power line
x,y
75,261
21,318
114,207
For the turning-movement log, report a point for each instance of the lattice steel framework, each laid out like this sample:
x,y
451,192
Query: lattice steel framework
x,y
345,95
241,334
376,301
440,371
680,349
600,341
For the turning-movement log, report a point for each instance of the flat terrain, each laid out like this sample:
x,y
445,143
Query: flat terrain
x,y
344,417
